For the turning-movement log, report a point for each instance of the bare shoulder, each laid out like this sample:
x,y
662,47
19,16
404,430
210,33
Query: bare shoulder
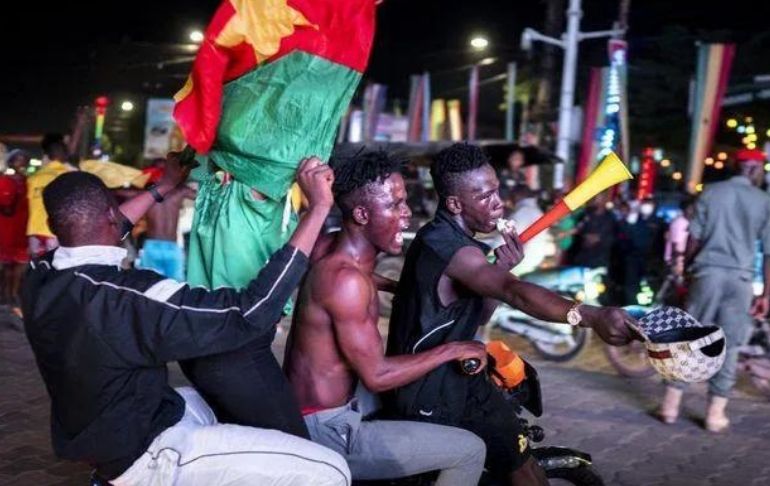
x,y
467,257
337,284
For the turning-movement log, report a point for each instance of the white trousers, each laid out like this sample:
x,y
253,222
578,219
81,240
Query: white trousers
x,y
200,451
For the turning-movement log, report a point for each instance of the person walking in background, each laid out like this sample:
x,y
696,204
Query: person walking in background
x,y
730,217
595,235
525,212
13,226
40,237
643,250
161,252
676,237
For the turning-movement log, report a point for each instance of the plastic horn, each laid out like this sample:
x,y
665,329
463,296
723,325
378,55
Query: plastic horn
x,y
611,171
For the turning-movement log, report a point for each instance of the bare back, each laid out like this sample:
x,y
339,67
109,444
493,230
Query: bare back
x,y
316,363
163,219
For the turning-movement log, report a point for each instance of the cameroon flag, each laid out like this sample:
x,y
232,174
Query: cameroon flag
x,y
270,83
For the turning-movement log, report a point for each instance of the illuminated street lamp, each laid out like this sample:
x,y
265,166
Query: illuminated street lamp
x,y
196,36
127,106
479,43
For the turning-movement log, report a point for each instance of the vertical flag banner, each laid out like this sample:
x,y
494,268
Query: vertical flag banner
x,y
415,108
426,101
510,101
606,129
455,120
268,87
711,78
592,118
438,120
473,102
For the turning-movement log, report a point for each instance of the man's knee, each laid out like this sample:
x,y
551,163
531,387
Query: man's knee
x,y
476,449
327,467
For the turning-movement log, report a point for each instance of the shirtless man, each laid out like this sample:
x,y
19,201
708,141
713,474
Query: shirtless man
x,y
334,341
448,288
160,251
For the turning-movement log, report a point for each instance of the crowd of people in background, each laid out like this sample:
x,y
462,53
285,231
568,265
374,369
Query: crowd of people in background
x,y
639,249
155,243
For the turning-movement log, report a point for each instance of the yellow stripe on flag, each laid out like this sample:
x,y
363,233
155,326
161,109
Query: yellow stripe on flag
x,y
186,90
709,100
261,24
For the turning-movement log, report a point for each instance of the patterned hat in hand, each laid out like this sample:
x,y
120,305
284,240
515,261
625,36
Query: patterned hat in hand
x,y
680,348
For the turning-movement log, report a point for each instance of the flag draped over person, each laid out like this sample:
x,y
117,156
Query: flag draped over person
x,y
269,85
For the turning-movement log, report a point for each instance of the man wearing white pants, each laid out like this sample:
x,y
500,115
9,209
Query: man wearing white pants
x,y
200,451
102,337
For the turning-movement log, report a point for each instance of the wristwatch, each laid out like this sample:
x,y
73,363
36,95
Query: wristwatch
x,y
573,315
156,193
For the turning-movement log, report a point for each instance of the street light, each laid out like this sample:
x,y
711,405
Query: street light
x,y
127,106
196,36
569,43
479,43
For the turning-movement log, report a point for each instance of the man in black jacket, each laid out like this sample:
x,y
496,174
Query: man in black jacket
x,y
102,337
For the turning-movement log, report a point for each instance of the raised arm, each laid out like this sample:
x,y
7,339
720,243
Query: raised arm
x,y
349,304
177,322
470,267
174,175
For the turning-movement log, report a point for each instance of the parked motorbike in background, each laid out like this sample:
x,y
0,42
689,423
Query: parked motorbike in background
x,y
553,341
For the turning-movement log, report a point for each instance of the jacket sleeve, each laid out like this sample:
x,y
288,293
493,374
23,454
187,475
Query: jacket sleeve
x,y
171,321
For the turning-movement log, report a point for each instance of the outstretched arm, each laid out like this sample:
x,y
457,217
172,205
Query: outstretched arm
x,y
470,267
348,302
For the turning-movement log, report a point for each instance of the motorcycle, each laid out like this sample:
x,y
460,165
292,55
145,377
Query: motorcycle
x,y
568,465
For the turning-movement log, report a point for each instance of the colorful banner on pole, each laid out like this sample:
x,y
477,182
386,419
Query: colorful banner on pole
x,y
606,127
712,76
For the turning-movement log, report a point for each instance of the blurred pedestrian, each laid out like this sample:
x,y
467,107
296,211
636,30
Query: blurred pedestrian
x,y
161,251
525,212
595,234
40,237
730,217
676,237
643,250
13,226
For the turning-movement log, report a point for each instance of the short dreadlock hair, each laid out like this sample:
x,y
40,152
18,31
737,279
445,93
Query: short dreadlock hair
x,y
452,163
74,202
354,174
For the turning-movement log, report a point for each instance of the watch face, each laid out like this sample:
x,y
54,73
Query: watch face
x,y
573,317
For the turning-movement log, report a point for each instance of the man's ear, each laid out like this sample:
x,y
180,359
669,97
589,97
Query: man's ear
x,y
361,215
454,205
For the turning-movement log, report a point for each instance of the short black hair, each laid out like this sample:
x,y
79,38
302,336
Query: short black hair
x,y
52,142
74,201
353,173
450,164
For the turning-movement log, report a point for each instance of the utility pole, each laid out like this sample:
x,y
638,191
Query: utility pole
x,y
569,43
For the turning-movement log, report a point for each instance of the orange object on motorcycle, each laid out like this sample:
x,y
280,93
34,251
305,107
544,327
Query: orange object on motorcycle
x,y
509,367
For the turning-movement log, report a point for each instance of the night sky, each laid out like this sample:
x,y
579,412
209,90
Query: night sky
x,y
54,57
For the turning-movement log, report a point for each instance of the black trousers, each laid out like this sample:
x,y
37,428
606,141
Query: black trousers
x,y
247,387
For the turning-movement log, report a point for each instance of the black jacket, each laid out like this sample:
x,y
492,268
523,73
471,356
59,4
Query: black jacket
x,y
102,337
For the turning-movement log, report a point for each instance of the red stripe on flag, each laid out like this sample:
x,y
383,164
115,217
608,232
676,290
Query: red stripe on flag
x,y
345,31
589,130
